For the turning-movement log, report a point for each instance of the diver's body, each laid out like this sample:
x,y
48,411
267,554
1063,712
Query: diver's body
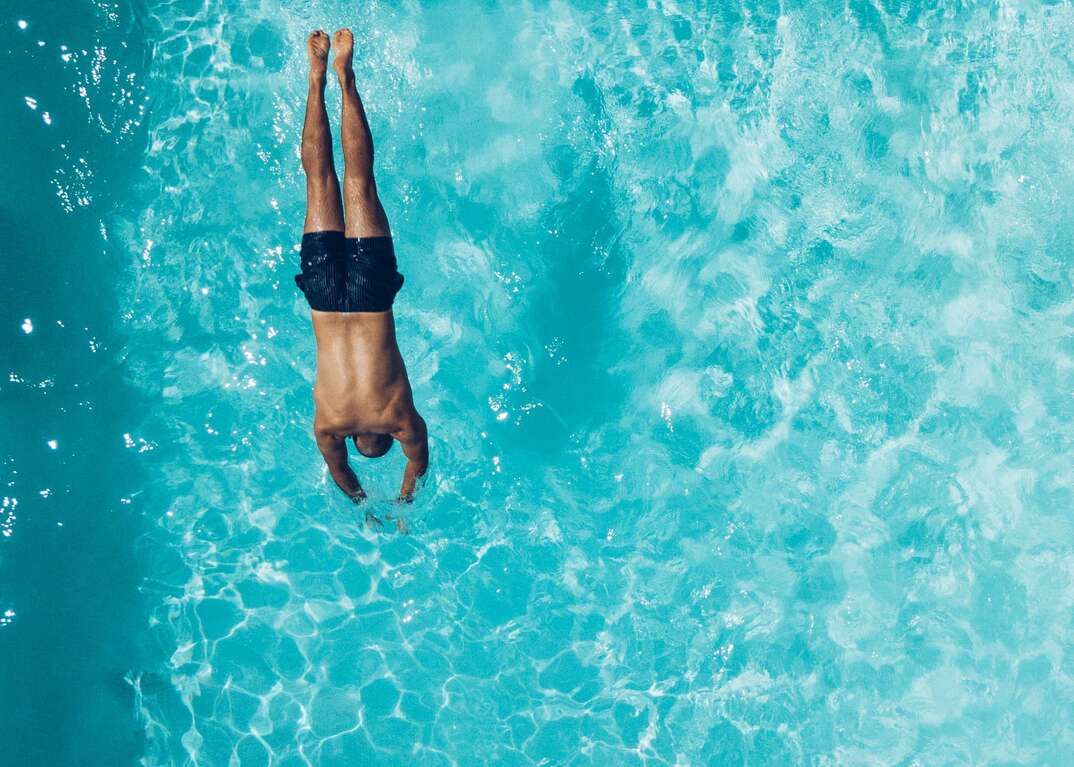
x,y
349,278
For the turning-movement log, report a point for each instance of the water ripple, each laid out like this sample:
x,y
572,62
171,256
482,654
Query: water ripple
x,y
729,321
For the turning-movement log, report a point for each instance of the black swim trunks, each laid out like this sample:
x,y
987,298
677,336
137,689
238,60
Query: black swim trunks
x,y
348,274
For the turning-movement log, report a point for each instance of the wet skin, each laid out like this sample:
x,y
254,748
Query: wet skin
x,y
362,390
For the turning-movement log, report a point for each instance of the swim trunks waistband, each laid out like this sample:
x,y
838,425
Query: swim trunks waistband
x,y
348,274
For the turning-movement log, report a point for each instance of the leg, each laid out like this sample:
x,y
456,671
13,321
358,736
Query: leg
x,y
365,215
324,212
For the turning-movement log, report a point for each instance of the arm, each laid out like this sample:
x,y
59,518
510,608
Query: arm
x,y
414,440
334,450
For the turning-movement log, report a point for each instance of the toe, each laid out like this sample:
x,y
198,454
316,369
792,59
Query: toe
x,y
318,44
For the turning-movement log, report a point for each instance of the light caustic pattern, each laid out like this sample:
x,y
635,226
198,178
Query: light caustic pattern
x,y
743,333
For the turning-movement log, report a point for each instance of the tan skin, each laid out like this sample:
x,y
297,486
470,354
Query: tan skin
x,y
362,389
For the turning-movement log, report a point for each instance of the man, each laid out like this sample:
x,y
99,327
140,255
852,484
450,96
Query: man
x,y
350,280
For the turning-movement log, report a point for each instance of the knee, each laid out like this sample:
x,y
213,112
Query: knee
x,y
360,184
314,159
320,182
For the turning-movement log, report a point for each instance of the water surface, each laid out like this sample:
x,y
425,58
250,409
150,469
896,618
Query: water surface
x,y
743,333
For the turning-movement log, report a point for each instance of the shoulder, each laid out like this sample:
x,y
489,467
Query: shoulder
x,y
411,426
327,424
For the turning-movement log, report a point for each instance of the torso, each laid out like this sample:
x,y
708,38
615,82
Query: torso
x,y
362,386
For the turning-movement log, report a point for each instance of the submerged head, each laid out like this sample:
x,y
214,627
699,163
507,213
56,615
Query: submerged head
x,y
373,445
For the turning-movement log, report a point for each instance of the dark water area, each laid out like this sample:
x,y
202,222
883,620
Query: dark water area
x,y
69,580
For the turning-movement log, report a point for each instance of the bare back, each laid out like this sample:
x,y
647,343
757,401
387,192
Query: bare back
x,y
362,385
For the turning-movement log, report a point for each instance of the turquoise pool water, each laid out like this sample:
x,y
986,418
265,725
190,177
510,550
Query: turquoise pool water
x,y
745,334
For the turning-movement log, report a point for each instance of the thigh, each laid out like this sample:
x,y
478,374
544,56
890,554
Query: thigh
x,y
324,210
365,214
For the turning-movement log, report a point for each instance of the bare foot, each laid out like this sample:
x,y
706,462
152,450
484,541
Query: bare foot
x,y
317,47
344,42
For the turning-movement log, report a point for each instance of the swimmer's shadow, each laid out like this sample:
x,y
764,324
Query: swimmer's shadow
x,y
373,522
